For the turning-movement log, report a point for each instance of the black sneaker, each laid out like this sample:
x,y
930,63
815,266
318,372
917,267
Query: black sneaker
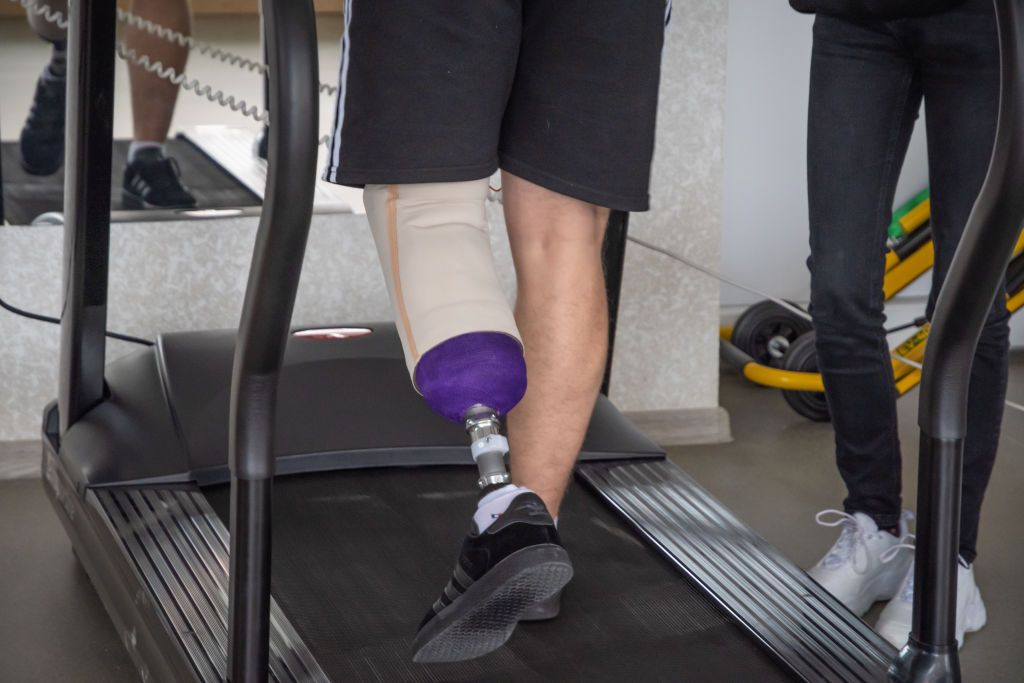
x,y
500,575
262,145
153,181
42,137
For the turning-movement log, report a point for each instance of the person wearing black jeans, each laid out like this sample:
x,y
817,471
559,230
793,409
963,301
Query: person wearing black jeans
x,y
869,75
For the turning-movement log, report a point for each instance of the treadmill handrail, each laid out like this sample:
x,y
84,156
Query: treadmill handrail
x,y
290,30
89,133
973,282
979,266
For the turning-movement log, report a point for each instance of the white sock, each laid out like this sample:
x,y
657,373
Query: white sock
x,y
139,145
494,504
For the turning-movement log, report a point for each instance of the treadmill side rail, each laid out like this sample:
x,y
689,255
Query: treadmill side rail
x,y
180,549
787,611
158,558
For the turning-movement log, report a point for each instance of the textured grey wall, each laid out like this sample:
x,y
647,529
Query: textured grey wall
x,y
667,348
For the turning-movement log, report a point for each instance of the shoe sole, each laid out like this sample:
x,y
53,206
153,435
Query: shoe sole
x,y
134,202
544,610
42,171
975,618
880,589
975,615
482,619
873,593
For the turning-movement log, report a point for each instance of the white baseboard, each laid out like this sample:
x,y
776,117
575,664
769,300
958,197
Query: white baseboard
x,y
684,427
20,459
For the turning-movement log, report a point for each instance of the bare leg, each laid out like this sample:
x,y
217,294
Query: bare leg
x,y
563,319
153,98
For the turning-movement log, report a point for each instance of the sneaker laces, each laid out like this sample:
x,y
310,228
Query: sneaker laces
x,y
852,537
907,589
890,554
162,174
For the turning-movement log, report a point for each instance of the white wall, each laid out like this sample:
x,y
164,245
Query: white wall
x,y
764,196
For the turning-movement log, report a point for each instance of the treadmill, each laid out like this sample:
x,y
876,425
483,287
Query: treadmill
x,y
162,467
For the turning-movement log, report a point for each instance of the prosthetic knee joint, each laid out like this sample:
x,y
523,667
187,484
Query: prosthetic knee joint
x,y
460,339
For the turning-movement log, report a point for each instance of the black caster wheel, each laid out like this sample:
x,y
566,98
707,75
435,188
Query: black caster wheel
x,y
803,357
766,330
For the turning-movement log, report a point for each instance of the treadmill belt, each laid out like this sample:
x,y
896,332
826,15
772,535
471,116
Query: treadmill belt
x,y
359,557
27,196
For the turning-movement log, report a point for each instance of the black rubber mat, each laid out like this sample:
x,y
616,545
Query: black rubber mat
x,y
360,556
27,196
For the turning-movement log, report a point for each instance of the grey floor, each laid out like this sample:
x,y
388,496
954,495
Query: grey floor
x,y
779,471
776,474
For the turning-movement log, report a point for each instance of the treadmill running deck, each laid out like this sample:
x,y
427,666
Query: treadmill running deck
x,y
359,556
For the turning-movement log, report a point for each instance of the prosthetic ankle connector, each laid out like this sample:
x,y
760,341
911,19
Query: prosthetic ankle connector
x,y
488,446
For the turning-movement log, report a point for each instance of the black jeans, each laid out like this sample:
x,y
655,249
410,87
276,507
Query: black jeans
x,y
868,79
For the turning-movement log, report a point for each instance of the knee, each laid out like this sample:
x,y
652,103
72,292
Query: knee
x,y
842,305
49,30
544,224
848,321
553,237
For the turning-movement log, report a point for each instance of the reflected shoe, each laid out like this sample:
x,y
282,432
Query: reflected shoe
x,y
853,570
42,137
517,563
895,621
153,181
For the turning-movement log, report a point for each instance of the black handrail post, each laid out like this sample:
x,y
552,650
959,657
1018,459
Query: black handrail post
x,y
290,29
972,285
1,194
613,254
90,129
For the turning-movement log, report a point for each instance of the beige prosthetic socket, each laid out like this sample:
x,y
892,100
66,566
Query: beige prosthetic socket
x,y
435,250
48,30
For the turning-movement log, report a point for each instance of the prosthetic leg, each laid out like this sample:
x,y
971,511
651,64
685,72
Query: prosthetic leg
x,y
462,347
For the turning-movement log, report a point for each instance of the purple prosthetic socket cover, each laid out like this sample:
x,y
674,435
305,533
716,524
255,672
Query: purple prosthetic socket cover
x,y
479,368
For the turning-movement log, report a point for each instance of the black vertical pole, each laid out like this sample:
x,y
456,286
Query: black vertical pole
x,y
263,138
974,281
1,193
90,121
290,30
613,254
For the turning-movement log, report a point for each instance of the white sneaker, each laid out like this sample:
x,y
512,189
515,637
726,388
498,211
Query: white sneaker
x,y
853,570
895,621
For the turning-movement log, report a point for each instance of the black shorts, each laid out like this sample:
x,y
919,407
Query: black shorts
x,y
563,93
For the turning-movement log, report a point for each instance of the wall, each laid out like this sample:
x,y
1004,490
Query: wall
x,y
669,310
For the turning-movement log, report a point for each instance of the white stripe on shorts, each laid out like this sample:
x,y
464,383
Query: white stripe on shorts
x,y
339,116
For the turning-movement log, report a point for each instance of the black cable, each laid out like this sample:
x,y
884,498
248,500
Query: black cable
x,y
56,321
916,322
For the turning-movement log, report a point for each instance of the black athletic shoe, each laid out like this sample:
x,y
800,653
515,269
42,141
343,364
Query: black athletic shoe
x,y
501,573
153,181
262,146
42,137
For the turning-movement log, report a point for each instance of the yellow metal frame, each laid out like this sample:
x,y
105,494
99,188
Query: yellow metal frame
x,y
898,274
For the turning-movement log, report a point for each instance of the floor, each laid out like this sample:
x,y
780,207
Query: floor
x,y
775,474
779,471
